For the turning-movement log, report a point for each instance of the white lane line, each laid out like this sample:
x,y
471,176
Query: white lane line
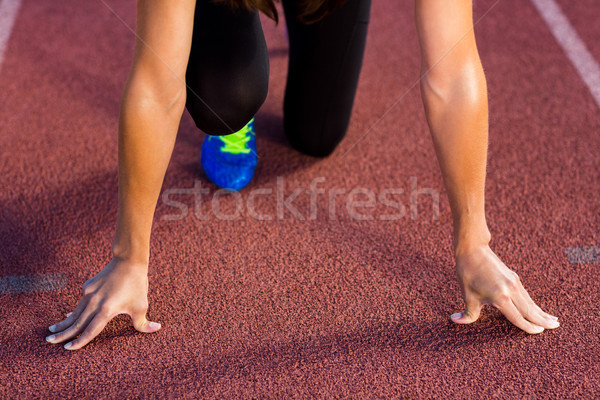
x,y
8,13
573,46
32,283
583,255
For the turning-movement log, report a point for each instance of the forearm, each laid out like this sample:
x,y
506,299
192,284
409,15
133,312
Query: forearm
x,y
147,131
455,97
457,113
454,93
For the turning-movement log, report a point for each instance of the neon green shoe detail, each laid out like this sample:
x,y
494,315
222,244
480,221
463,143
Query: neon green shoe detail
x,y
229,161
237,143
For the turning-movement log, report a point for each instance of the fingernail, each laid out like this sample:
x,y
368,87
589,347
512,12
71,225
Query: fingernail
x,y
554,324
539,329
456,315
154,325
51,338
68,345
52,328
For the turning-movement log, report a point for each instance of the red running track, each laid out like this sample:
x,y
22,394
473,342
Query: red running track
x,y
283,308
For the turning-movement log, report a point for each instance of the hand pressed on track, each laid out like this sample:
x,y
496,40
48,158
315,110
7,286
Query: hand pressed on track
x,y
120,288
485,279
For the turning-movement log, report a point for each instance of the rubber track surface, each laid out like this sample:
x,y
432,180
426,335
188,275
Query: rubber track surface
x,y
285,308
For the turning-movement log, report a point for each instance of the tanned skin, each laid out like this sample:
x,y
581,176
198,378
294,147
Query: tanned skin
x,y
454,93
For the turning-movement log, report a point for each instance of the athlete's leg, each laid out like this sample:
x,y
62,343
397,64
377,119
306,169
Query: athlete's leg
x,y
228,69
324,66
227,76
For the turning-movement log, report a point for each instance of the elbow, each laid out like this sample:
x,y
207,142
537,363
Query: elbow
x,y
142,95
462,84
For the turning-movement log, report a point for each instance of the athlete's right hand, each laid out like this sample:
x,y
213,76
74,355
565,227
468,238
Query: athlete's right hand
x,y
120,288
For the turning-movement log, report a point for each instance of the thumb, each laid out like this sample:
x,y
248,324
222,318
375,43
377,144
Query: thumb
x,y
141,324
470,314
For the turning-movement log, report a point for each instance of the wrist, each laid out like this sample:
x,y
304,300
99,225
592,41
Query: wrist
x,y
131,253
469,237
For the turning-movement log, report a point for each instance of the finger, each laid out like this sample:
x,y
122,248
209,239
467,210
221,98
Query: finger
x,y
141,324
471,312
71,317
532,312
528,298
76,328
513,315
95,326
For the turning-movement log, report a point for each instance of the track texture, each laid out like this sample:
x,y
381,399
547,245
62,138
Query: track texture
x,y
283,308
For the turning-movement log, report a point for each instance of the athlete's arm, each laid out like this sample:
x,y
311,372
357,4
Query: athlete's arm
x,y
454,93
151,108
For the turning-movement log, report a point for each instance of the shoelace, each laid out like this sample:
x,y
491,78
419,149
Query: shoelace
x,y
236,143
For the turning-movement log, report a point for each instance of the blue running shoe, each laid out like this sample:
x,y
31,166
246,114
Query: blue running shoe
x,y
229,161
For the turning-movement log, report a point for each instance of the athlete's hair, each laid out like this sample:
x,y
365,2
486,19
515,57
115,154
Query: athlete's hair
x,y
310,10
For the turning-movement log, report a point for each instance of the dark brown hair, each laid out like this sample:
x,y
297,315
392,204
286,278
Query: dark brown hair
x,y
310,10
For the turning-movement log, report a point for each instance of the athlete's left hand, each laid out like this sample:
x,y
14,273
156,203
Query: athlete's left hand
x,y
485,279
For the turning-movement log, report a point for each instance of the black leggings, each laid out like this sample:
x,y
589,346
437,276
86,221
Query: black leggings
x,y
228,72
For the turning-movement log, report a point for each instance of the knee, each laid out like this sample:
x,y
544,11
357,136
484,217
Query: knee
x,y
225,110
311,139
